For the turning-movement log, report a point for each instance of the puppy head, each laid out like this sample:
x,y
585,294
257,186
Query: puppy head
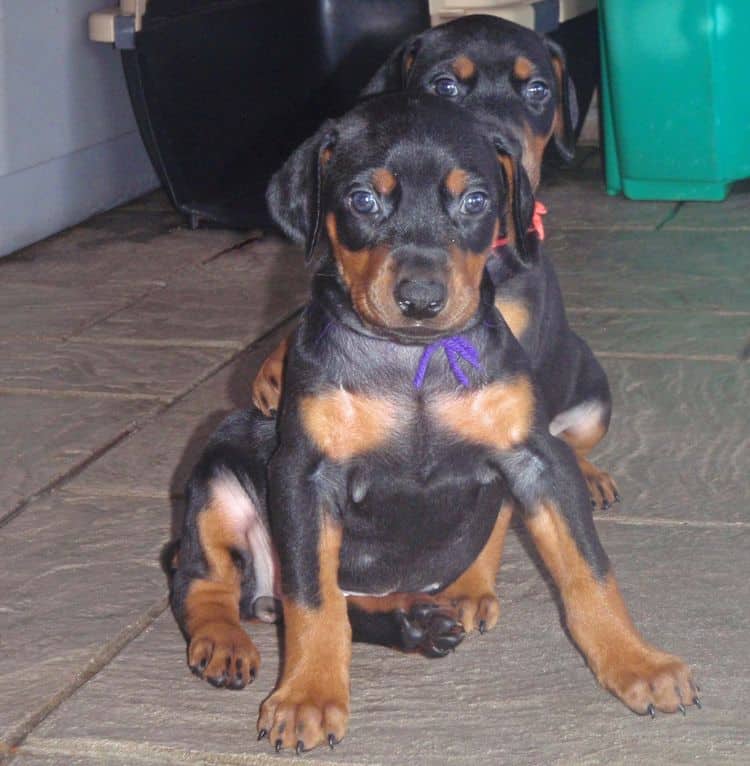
x,y
406,196
505,74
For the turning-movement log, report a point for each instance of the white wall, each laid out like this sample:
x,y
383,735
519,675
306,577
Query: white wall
x,y
69,146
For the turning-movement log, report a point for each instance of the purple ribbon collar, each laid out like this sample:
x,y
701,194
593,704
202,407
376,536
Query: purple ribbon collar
x,y
456,348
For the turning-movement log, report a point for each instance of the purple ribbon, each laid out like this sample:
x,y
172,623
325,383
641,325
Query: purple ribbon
x,y
455,348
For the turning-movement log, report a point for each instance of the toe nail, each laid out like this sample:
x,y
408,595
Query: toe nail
x,y
482,626
681,708
262,733
277,746
300,747
331,741
651,710
697,703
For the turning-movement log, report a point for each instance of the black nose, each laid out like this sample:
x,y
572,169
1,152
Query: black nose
x,y
420,299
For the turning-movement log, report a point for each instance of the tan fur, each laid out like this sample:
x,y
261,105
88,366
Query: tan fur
x,y
311,701
497,416
473,593
457,181
522,68
384,181
638,673
464,68
516,315
342,424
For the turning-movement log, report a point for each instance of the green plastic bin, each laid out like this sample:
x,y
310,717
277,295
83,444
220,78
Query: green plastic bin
x,y
675,97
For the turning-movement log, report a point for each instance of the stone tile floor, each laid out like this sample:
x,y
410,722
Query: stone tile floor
x,y
125,339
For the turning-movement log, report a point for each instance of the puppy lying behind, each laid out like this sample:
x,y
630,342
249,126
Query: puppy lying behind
x,y
513,81
411,426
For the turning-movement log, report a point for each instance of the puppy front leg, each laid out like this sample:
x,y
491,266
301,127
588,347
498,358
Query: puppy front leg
x,y
310,705
558,515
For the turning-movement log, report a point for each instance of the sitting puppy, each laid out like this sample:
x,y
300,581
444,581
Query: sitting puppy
x,y
515,82
412,424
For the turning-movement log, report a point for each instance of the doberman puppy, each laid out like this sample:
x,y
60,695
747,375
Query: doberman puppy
x,y
515,82
412,424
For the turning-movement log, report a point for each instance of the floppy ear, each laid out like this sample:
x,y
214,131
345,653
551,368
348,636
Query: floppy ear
x,y
519,208
293,195
393,74
566,114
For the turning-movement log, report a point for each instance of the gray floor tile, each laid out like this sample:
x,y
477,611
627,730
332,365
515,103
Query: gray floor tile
x,y
44,437
156,460
519,694
76,571
732,213
679,442
103,368
122,246
576,199
37,310
237,296
658,270
678,331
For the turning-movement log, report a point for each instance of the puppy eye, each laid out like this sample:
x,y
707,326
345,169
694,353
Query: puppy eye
x,y
364,202
474,203
536,91
445,87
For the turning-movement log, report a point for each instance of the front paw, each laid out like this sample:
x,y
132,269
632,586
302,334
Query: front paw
x,y
304,716
651,680
223,654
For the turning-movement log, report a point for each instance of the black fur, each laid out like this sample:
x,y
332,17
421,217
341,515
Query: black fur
x,y
417,509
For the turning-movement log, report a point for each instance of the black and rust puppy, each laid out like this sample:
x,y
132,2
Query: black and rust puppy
x,y
411,425
513,81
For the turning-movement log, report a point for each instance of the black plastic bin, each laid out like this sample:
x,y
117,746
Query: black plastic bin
x,y
222,91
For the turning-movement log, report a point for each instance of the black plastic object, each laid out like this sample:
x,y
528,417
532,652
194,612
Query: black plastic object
x,y
579,38
224,90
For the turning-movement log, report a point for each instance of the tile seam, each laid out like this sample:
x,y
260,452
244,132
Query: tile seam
x,y
17,734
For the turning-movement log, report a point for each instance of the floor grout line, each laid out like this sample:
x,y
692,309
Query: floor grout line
x,y
139,423
655,356
81,394
158,342
693,311
18,733
125,751
654,521
670,216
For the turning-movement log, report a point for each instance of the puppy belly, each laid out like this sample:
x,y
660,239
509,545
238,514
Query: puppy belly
x,y
415,544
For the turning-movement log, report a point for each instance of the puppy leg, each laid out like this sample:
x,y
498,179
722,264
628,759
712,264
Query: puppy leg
x,y
268,382
310,705
584,422
560,522
473,593
225,550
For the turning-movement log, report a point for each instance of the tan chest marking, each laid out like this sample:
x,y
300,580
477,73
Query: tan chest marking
x,y
515,314
498,416
343,425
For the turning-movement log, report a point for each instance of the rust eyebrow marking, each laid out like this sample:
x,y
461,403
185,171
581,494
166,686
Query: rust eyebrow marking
x,y
457,181
464,68
498,416
342,424
384,181
522,68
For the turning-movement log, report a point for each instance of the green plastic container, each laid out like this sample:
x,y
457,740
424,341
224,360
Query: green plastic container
x,y
675,97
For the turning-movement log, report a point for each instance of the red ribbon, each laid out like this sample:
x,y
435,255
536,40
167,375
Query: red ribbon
x,y
537,225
